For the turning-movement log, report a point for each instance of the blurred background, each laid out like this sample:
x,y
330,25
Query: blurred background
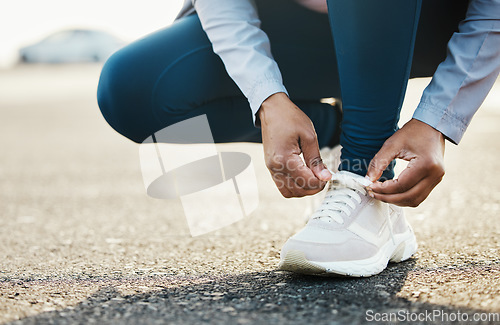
x,y
73,203
26,22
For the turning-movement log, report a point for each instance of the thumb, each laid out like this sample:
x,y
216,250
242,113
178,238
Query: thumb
x,y
313,160
381,160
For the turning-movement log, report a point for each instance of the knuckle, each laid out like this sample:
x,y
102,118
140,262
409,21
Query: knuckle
x,y
414,204
373,163
441,172
433,165
275,163
433,162
312,183
309,136
300,181
409,202
316,161
436,168
269,163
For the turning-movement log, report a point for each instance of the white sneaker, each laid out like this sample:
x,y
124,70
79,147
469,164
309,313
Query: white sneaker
x,y
350,234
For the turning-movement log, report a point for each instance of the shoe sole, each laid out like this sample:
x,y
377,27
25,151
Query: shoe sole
x,y
296,261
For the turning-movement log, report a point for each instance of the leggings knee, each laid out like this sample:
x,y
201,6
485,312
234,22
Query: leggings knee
x,y
123,106
106,92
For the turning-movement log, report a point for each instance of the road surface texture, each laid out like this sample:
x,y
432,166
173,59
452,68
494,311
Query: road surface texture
x,y
81,242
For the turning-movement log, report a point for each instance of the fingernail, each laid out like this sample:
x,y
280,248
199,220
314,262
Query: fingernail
x,y
370,193
325,175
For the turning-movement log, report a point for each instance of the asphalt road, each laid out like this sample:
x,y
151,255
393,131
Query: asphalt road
x,y
81,242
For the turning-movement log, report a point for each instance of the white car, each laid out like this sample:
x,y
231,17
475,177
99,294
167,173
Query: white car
x,y
75,45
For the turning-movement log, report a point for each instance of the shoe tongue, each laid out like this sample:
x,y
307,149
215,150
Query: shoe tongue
x,y
358,178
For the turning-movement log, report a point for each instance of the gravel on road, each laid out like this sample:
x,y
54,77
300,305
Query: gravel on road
x,y
83,243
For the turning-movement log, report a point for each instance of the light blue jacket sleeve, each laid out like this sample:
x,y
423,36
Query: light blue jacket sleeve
x,y
233,28
461,82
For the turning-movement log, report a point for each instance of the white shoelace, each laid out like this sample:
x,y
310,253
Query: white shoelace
x,y
343,195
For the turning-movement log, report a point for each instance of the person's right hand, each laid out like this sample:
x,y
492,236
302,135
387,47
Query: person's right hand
x,y
286,133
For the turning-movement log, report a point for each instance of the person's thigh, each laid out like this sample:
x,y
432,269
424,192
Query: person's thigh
x,y
173,74
166,77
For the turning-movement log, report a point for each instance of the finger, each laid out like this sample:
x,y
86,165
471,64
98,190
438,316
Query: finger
x,y
407,179
312,157
288,188
413,197
291,165
382,159
416,171
301,174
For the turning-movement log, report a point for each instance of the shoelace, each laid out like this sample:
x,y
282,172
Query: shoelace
x,y
343,195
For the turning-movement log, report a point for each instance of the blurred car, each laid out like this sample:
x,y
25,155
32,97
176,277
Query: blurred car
x,y
75,45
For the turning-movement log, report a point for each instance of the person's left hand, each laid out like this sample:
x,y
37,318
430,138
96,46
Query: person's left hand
x,y
423,147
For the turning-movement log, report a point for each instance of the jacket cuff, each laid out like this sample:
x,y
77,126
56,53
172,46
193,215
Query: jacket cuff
x,y
451,126
261,92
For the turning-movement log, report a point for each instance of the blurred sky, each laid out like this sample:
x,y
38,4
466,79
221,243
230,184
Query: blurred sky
x,y
23,22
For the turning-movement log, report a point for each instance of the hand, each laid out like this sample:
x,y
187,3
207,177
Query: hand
x,y
423,147
286,133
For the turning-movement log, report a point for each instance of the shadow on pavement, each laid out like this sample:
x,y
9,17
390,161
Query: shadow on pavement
x,y
273,297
